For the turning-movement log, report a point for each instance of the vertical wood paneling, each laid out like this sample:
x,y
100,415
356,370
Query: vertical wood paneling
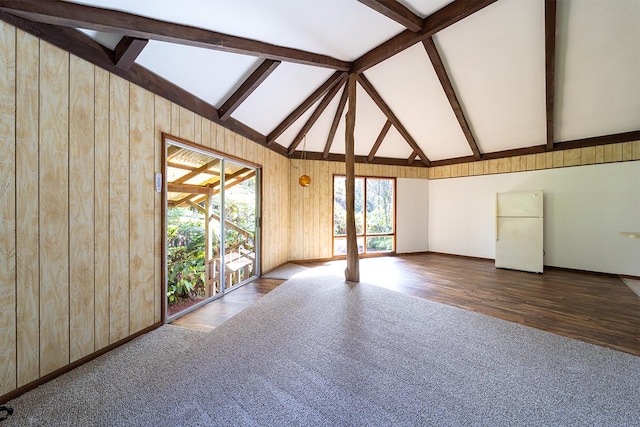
x,y
27,248
162,123
175,119
118,209
206,133
54,208
141,209
81,208
186,124
219,140
101,208
197,129
7,208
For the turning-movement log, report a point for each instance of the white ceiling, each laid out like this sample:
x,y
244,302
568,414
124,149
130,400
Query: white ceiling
x,y
494,58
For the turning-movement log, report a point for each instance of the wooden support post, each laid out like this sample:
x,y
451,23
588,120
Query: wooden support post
x,y
352,273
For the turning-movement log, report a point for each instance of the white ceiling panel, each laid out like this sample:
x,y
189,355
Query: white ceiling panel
x,y
109,40
285,88
317,135
410,87
394,146
495,60
212,79
424,8
598,68
292,131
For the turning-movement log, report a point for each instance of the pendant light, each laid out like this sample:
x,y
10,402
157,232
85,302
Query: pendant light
x,y
304,180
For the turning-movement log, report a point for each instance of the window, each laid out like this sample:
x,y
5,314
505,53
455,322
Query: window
x,y
374,211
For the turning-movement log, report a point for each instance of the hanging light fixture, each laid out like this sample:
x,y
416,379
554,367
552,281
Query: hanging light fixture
x,y
304,180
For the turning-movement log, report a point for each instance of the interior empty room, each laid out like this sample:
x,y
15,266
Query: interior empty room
x,y
260,191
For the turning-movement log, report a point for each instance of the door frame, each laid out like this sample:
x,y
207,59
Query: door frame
x,y
168,139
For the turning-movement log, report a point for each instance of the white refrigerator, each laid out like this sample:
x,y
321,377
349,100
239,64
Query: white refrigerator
x,y
519,231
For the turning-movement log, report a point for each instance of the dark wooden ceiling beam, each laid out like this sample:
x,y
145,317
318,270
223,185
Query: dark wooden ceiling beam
x,y
566,145
437,21
336,121
375,96
74,15
316,114
127,50
441,72
79,44
333,157
599,140
550,65
306,104
412,157
396,11
379,139
247,87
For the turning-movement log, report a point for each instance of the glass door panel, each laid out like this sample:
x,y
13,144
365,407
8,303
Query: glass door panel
x,y
191,234
240,183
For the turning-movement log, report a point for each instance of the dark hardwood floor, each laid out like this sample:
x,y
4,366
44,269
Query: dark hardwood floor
x,y
595,308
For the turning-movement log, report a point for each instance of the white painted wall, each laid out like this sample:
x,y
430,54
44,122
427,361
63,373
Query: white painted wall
x,y
412,201
586,207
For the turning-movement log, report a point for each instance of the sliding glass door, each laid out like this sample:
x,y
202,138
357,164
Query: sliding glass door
x,y
212,217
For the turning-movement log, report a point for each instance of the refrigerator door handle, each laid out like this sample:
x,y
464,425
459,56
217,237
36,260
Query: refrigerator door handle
x,y
497,222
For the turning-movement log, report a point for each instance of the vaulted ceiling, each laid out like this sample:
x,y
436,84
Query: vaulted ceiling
x,y
439,81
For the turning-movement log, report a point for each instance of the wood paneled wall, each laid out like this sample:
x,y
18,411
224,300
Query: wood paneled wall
x,y
80,221
311,234
611,153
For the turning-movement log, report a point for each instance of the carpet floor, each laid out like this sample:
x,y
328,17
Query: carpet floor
x,y
316,351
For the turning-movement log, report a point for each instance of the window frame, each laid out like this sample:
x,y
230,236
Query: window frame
x,y
364,235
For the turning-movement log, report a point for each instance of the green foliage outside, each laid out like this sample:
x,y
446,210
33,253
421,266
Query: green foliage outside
x,y
379,211
186,270
185,254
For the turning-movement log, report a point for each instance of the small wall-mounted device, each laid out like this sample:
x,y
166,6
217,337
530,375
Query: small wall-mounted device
x,y
158,182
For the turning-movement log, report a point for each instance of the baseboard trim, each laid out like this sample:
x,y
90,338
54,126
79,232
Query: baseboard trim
x,y
33,384
476,258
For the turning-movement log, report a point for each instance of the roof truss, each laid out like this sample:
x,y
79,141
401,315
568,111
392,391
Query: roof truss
x,y
50,19
74,15
396,11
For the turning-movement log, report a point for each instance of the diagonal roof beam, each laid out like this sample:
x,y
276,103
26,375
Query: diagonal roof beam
x,y
336,120
306,104
437,21
74,15
127,50
375,96
412,157
379,139
441,72
316,114
550,64
247,87
396,11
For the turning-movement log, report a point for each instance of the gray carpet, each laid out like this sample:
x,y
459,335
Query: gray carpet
x,y
316,351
